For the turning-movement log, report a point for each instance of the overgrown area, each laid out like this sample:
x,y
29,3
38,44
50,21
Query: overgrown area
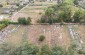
x,y
27,49
66,12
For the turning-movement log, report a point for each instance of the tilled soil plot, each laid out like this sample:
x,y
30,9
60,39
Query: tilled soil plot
x,y
54,34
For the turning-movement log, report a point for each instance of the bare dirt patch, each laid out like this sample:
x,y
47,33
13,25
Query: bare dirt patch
x,y
53,35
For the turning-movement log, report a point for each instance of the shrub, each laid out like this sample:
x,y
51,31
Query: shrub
x,y
41,38
5,21
28,20
42,20
24,21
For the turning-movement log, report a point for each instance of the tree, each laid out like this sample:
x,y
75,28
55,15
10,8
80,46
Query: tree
x,y
28,20
65,15
78,15
49,15
22,20
49,12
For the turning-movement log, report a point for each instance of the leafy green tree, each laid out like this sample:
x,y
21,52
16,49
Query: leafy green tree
x,y
65,15
49,12
22,20
78,15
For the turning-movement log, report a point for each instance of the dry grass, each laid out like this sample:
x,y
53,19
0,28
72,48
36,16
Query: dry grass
x,y
16,36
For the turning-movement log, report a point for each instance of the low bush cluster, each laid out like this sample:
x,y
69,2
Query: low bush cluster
x,y
24,21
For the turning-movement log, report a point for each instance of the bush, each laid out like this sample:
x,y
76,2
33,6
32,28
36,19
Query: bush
x,y
2,26
41,38
57,50
24,21
78,16
28,20
5,21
